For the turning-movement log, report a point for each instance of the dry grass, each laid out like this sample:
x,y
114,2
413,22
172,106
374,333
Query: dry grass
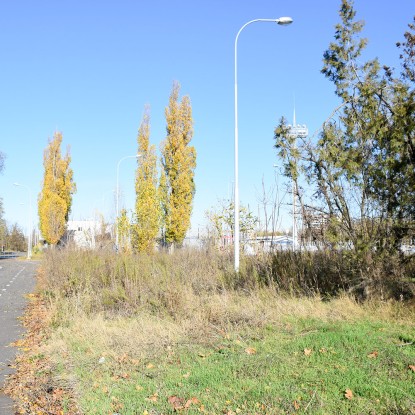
x,y
196,292
106,305
137,305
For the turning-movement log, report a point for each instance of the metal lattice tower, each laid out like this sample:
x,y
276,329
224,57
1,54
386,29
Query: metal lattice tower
x,y
296,131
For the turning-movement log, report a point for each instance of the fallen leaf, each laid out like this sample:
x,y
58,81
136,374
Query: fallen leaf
x,y
250,350
176,402
348,394
412,367
153,398
373,355
296,405
138,388
308,352
150,366
123,358
186,375
191,401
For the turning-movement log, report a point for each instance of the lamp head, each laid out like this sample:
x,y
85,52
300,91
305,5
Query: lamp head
x,y
284,21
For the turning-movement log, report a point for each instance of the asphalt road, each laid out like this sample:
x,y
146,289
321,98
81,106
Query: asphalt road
x,y
16,280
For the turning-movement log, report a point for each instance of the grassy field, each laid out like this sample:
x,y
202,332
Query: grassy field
x,y
178,334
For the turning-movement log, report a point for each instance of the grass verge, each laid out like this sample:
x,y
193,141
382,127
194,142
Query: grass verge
x,y
158,337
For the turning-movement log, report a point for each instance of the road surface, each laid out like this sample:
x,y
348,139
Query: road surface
x,y
16,280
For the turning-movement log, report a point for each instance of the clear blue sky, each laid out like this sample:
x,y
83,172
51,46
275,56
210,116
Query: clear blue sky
x,y
88,68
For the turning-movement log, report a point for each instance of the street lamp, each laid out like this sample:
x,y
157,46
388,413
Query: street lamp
x,y
117,194
281,21
29,232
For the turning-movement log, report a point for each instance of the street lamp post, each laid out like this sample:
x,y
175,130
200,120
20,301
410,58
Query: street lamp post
x,y
29,231
117,195
281,21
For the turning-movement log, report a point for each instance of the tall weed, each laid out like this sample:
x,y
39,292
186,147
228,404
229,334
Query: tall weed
x,y
182,284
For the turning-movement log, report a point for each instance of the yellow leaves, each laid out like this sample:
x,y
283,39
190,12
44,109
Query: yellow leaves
x,y
250,350
373,355
18,343
56,196
307,352
412,367
179,161
147,205
52,215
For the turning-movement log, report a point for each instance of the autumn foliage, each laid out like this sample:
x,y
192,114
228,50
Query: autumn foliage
x,y
55,199
147,205
179,163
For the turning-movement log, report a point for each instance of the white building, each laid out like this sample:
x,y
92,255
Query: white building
x,y
84,232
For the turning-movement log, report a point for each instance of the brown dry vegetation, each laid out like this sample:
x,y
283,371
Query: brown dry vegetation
x,y
137,305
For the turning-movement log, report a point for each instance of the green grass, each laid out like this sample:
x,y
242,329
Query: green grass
x,y
183,334
278,377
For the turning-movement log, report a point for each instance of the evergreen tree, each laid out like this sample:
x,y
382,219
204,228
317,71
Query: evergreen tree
x,y
179,162
362,165
147,205
55,199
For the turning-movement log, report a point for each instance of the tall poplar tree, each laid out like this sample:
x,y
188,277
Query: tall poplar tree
x,y
147,206
179,162
55,199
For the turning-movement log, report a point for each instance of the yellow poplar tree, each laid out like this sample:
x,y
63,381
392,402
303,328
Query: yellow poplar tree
x,y
124,232
179,162
147,205
55,199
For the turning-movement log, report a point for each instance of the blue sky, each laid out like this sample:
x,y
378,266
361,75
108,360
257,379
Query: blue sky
x,y
88,68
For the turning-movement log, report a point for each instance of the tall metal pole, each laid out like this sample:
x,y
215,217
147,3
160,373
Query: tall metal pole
x,y
280,21
296,131
117,195
29,231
